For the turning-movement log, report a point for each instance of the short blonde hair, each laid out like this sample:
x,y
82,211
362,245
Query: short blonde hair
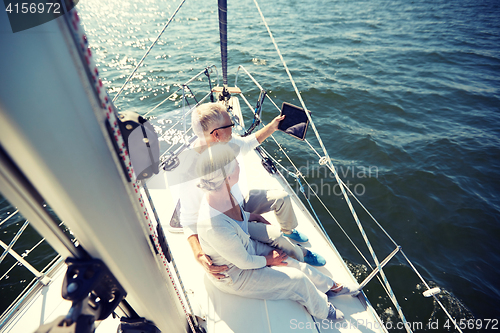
x,y
215,164
206,116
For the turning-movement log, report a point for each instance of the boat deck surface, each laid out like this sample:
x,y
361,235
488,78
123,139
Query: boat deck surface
x,y
217,311
221,312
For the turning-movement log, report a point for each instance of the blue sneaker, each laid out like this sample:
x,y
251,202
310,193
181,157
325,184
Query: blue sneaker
x,y
314,259
297,236
334,313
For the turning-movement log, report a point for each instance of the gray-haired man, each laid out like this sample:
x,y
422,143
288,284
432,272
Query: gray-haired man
x,y
211,123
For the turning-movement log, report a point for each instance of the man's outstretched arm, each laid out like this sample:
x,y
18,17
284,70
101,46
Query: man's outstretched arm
x,y
269,129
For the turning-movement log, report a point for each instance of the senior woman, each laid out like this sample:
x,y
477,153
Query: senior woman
x,y
255,269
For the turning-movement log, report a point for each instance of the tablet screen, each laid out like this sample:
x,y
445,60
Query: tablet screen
x,y
295,122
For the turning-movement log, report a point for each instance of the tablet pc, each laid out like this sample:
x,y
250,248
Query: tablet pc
x,y
295,122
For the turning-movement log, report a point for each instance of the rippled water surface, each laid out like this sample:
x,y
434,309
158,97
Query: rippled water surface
x,y
404,94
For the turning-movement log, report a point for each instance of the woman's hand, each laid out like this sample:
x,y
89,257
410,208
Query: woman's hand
x,y
258,218
207,264
276,258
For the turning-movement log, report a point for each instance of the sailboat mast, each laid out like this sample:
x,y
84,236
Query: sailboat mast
x,y
223,38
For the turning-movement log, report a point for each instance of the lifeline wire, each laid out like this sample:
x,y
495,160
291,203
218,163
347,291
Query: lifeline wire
x,y
14,240
375,220
295,176
353,212
25,254
384,231
175,92
342,184
8,217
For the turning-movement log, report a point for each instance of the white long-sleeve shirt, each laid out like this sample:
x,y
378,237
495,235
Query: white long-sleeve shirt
x,y
191,195
226,241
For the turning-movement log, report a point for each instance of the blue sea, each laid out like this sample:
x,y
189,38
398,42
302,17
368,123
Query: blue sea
x,y
406,98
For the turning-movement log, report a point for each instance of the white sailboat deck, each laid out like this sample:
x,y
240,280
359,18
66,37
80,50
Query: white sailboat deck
x,y
229,313
219,312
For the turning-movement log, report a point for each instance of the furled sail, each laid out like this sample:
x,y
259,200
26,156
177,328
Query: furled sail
x,y
223,38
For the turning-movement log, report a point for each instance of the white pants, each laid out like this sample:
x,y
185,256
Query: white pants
x,y
263,201
297,281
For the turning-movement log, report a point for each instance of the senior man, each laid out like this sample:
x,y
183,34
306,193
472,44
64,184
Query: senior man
x,y
211,123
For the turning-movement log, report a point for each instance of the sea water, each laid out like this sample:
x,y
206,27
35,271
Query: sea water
x,y
406,98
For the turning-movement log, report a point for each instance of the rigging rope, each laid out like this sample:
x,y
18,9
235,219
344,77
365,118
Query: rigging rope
x,y
24,255
375,220
353,212
321,161
352,194
175,92
307,183
14,240
149,49
8,217
298,173
296,177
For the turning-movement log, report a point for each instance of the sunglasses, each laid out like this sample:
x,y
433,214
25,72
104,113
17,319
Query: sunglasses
x,y
218,128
